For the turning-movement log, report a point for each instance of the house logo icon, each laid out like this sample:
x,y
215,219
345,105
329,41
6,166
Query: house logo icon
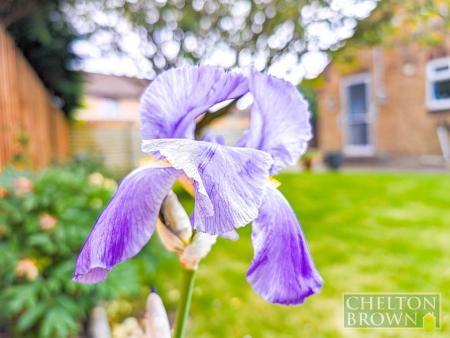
x,y
430,322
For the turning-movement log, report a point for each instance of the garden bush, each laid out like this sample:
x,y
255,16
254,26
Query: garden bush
x,y
44,220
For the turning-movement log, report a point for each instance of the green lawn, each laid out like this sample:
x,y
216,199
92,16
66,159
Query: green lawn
x,y
367,233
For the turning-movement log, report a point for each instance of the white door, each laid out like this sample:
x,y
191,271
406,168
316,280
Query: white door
x,y
357,115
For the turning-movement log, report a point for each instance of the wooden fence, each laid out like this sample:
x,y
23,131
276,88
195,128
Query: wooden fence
x,y
117,143
27,112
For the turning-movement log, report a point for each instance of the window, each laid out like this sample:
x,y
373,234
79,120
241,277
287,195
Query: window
x,y
357,115
110,108
438,84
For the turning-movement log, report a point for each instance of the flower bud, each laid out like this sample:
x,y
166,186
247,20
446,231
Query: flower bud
x,y
156,323
175,232
27,268
168,238
176,218
199,248
47,221
23,186
98,324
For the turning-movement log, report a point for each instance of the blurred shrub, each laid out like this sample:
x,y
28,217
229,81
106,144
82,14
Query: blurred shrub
x,y
44,220
88,163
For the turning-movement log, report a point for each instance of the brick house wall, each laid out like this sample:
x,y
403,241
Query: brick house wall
x,y
401,123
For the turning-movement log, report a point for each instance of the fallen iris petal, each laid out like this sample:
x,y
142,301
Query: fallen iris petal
x,y
126,224
229,182
282,270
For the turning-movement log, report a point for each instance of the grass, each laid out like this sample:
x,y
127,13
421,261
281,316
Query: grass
x,y
367,233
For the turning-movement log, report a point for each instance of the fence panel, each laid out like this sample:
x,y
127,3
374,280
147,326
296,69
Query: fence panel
x,y
117,143
27,112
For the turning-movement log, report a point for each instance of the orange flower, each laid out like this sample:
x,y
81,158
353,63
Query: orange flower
x,y
27,268
3,192
23,186
47,221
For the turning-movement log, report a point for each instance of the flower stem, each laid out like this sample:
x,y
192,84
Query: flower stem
x,y
187,285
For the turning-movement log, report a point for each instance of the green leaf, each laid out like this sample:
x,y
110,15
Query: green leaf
x,y
19,297
57,323
30,317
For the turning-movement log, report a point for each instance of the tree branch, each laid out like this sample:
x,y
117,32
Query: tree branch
x,y
209,117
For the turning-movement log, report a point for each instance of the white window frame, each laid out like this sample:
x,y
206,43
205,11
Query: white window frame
x,y
432,76
351,149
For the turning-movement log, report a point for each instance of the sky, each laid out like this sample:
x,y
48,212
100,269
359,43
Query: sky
x,y
135,64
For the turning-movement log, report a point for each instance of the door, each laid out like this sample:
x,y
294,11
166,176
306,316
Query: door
x,y
357,116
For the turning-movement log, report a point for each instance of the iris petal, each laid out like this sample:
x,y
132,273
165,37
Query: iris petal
x,y
279,120
229,182
126,224
282,270
173,101
213,138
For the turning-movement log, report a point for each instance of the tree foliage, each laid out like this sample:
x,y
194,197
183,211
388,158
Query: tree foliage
x,y
173,32
176,31
394,21
45,36
398,22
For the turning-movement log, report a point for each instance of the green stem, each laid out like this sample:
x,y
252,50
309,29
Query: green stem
x,y
187,285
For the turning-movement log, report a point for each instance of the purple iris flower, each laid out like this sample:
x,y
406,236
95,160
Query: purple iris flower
x,y
231,184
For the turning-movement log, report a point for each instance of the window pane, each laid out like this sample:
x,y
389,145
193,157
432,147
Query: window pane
x,y
441,69
110,108
357,99
441,89
358,134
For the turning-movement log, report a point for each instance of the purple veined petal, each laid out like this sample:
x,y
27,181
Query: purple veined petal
x,y
232,235
173,101
213,138
282,270
229,182
279,120
126,224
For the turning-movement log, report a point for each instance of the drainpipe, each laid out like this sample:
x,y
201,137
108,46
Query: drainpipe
x,y
442,134
379,90
378,75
